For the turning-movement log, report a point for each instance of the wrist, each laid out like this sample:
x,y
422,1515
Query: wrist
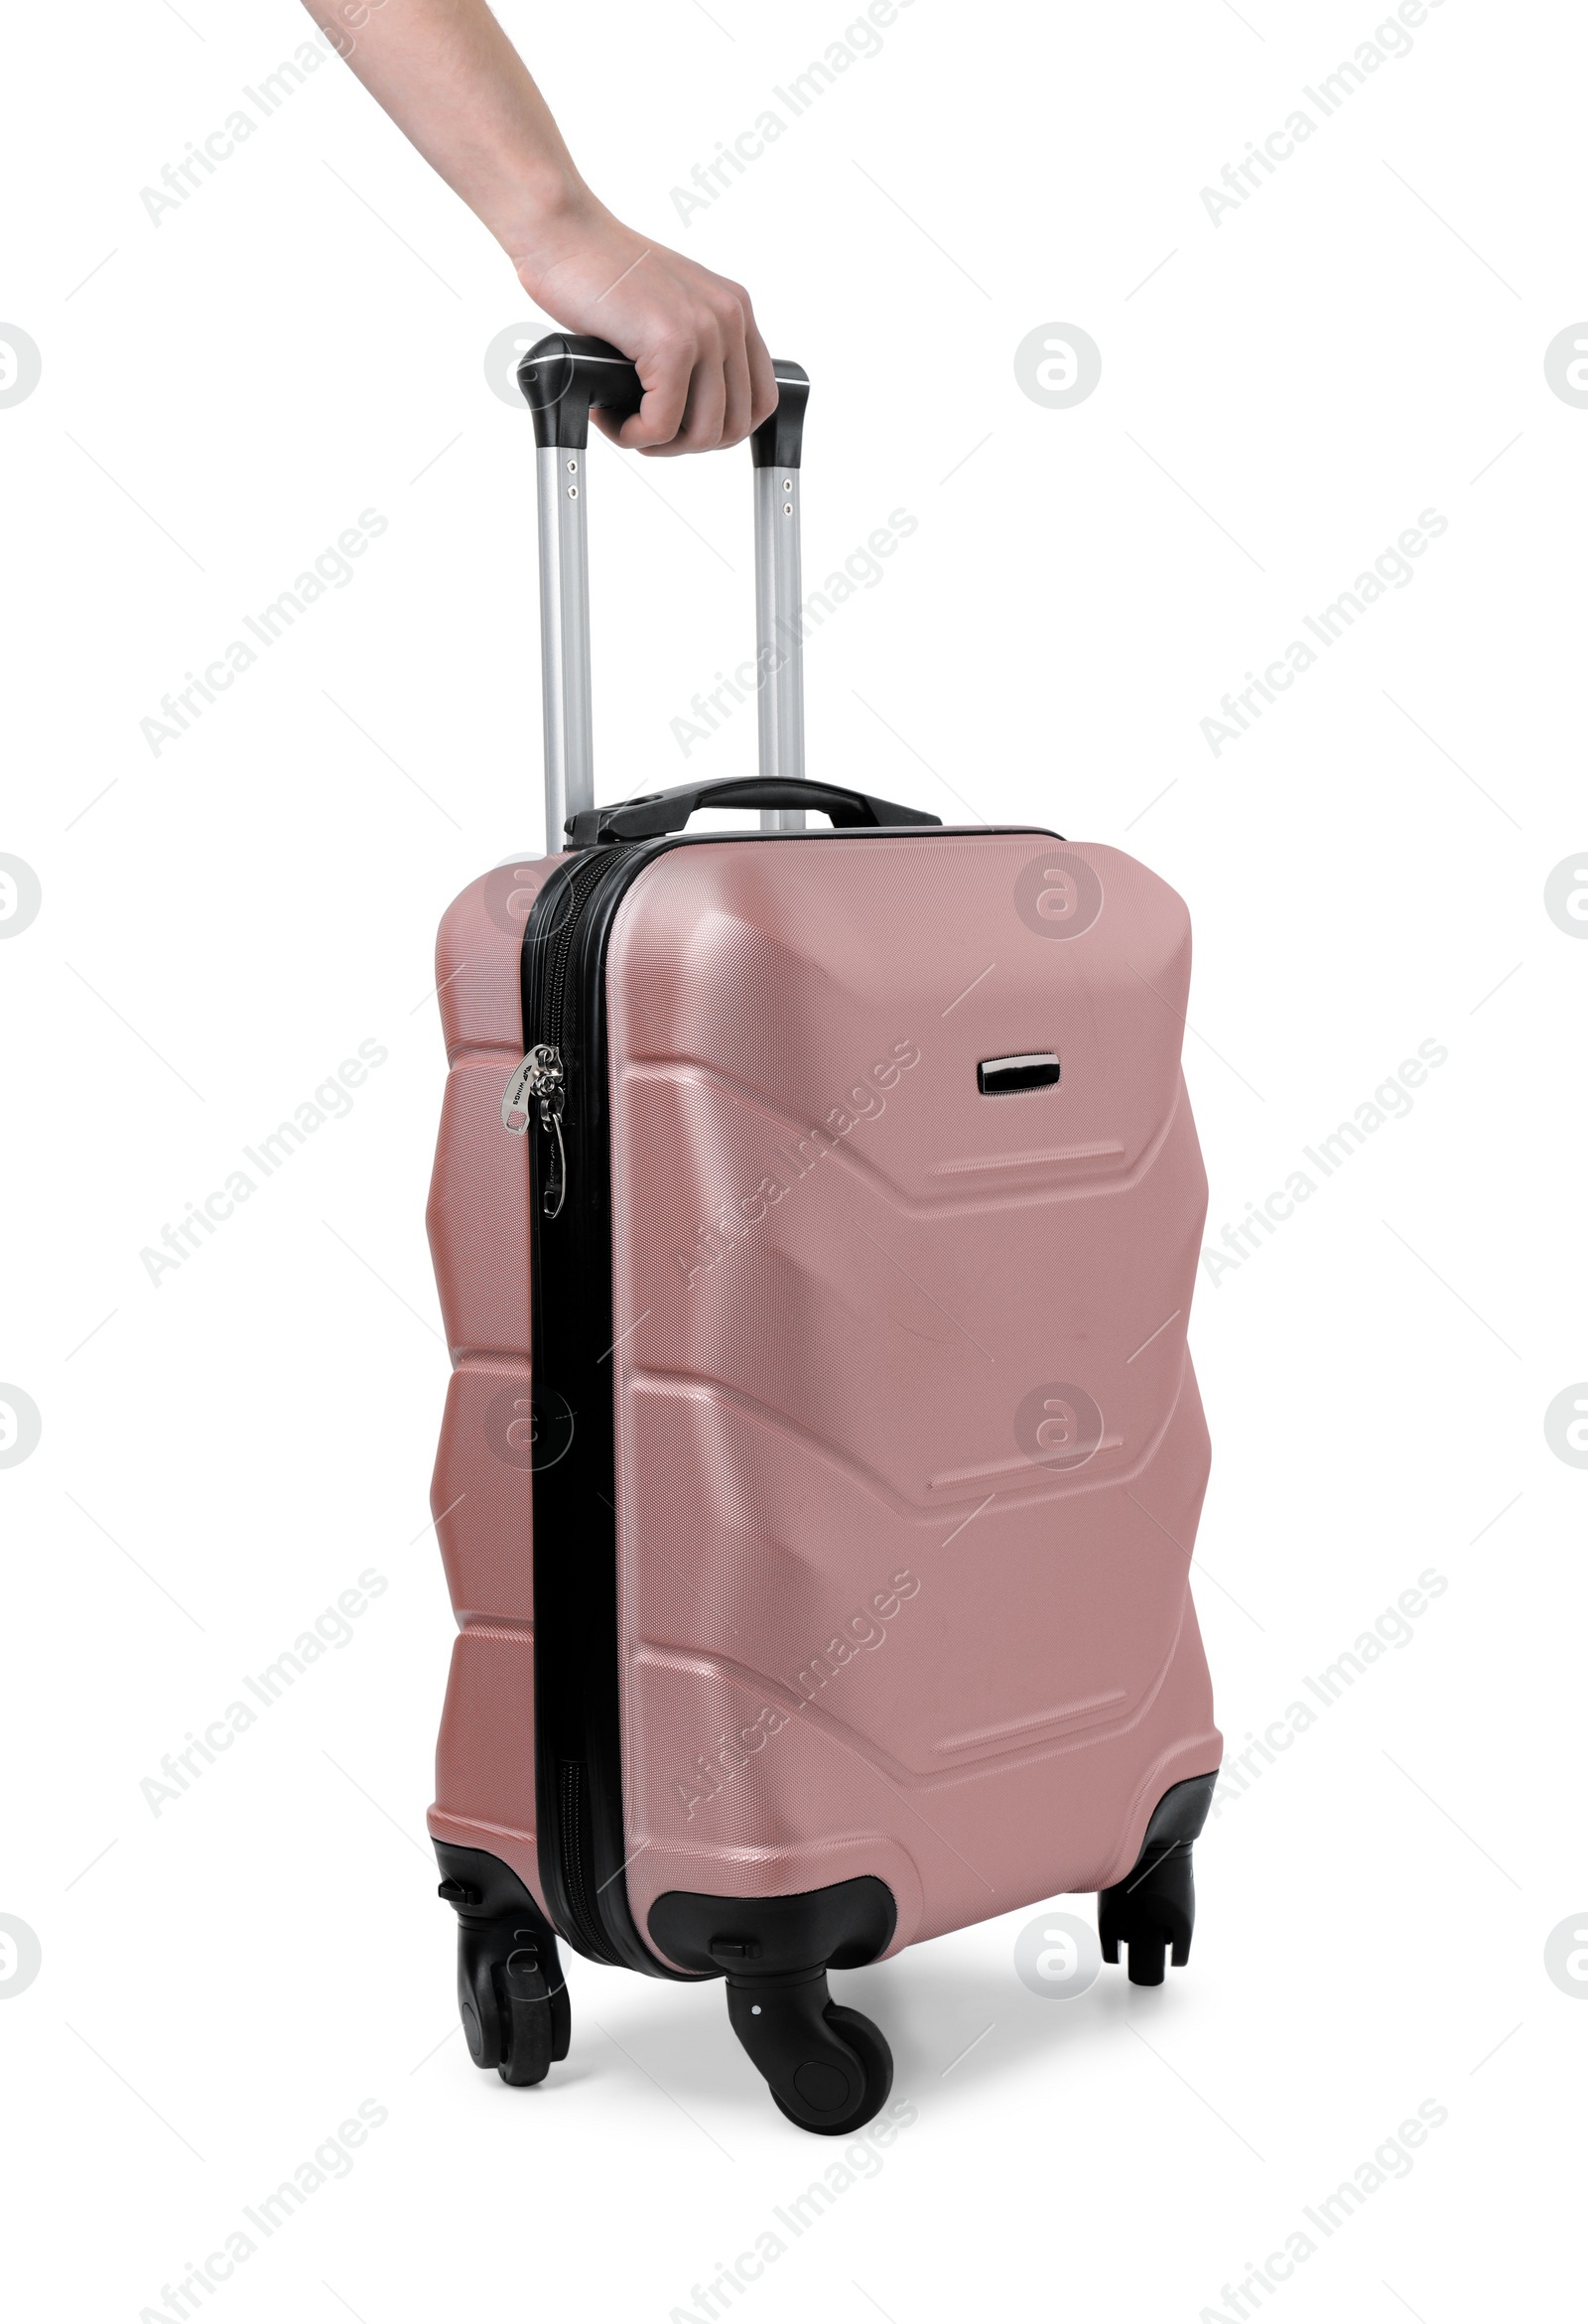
x,y
541,219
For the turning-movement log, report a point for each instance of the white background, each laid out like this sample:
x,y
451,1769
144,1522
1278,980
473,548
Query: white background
x,y
223,1454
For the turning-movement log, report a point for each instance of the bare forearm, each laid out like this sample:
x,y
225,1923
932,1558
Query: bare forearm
x,y
454,83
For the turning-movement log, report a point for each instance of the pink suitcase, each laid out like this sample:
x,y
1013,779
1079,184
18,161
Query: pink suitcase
x,y
815,1216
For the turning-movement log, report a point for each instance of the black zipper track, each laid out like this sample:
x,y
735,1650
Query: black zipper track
x,y
579,1838
578,1869
569,1508
545,991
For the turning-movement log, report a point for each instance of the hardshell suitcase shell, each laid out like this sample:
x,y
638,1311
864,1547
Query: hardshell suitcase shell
x,y
816,1216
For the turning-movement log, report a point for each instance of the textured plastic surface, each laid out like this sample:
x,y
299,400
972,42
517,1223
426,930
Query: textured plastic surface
x,y
478,1222
859,1309
909,1449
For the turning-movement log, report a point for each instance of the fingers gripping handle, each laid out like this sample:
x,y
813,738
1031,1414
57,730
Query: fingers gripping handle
x,y
563,379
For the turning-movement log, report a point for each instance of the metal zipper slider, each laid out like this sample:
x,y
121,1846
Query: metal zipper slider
x,y
536,1087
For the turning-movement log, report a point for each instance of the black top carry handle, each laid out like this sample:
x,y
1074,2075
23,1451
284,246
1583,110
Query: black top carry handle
x,y
564,377
658,812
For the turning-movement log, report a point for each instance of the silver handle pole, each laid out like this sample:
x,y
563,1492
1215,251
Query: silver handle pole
x,y
562,378
779,637
564,639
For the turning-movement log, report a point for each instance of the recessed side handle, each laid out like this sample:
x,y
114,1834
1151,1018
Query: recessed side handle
x,y
1004,1076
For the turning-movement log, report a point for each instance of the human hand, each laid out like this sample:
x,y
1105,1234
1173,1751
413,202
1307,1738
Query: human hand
x,y
689,333
450,77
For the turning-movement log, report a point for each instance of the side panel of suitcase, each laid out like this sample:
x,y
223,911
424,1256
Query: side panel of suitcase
x,y
909,1449
478,1224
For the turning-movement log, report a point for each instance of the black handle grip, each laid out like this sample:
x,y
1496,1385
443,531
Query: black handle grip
x,y
566,376
561,377
776,442
658,812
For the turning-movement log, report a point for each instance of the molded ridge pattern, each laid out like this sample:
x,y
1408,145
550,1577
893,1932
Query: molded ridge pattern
x,y
910,1455
481,1493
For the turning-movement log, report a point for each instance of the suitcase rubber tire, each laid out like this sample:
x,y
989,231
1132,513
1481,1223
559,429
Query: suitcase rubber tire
x,y
528,2036
876,2062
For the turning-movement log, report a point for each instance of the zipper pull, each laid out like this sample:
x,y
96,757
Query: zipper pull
x,y
515,1096
536,1089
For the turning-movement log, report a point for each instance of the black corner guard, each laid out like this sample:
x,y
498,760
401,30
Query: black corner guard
x,y
840,1927
828,2069
655,813
1152,1910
